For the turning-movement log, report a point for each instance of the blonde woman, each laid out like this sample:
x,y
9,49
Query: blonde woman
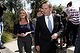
x,y
23,29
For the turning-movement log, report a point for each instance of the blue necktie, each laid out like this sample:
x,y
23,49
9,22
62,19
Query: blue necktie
x,y
49,25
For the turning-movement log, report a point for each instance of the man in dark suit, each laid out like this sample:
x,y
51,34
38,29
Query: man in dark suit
x,y
48,28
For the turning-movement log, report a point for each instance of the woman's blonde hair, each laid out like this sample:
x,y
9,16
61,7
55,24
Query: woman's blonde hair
x,y
27,14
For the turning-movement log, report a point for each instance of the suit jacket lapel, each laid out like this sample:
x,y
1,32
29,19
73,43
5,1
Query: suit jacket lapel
x,y
54,20
45,23
54,23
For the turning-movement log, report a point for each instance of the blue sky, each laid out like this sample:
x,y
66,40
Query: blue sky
x,y
76,3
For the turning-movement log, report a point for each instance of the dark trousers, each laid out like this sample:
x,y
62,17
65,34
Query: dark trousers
x,y
24,45
77,45
51,49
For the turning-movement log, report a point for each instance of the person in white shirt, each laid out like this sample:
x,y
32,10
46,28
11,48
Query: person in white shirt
x,y
72,23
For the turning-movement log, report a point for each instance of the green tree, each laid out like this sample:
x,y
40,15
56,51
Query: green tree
x,y
58,9
8,22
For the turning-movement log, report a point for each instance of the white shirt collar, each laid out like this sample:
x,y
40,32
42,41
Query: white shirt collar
x,y
51,15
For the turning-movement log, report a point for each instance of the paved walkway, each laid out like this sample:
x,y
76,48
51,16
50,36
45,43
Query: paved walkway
x,y
12,46
6,50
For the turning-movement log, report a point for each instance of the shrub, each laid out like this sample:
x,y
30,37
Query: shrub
x,y
7,37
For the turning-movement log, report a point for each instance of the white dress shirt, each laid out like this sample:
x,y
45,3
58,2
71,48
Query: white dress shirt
x,y
51,19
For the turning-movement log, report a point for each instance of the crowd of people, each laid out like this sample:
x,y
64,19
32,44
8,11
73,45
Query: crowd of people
x,y
65,26
47,29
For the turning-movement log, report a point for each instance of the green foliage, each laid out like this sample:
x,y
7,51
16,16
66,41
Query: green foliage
x,y
8,21
7,37
58,9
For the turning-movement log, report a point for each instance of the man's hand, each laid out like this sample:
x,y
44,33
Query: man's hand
x,y
38,48
54,36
